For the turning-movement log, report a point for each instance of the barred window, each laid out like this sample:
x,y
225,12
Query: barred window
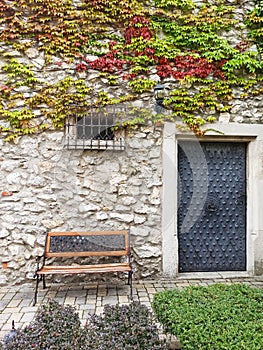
x,y
95,129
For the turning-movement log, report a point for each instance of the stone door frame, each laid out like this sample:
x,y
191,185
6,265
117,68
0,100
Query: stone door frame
x,y
232,132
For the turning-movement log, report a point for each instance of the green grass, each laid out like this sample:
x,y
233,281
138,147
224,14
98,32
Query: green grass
x,y
216,317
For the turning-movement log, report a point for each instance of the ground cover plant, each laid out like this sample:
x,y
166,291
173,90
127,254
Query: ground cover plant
x,y
216,317
58,327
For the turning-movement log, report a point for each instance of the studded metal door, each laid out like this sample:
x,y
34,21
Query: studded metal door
x,y
212,206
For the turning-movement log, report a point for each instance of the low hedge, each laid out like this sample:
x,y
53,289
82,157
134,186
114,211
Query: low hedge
x,y
216,317
58,327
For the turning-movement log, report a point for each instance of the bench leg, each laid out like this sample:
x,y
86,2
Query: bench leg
x,y
39,278
130,284
36,290
44,281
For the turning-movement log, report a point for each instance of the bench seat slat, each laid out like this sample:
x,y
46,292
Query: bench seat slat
x,y
75,269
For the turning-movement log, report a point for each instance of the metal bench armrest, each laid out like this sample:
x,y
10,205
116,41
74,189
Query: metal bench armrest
x,y
38,260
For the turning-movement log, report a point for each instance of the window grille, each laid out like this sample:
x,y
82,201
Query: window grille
x,y
95,129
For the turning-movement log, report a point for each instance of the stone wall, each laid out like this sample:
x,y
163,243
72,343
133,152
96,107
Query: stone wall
x,y
44,186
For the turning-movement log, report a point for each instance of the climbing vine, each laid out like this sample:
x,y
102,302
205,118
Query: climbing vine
x,y
255,22
126,44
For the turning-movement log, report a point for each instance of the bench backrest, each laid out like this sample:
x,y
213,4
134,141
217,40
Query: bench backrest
x,y
98,243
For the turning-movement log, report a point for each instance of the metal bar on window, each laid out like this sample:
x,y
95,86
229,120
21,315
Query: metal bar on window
x,y
93,129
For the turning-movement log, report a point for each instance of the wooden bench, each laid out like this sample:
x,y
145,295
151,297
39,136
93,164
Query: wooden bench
x,y
83,245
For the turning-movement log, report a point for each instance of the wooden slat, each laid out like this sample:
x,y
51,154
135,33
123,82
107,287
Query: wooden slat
x,y
88,233
76,269
47,246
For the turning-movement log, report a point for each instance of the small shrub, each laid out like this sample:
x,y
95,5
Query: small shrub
x,y
128,327
57,327
54,327
216,317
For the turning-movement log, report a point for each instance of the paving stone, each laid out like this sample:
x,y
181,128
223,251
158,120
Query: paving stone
x,y
43,293
4,317
16,318
204,284
142,294
60,300
170,285
123,299
111,291
61,288
9,310
185,284
99,310
29,309
91,298
151,297
74,292
14,303
138,285
257,284
102,292
6,327
70,300
27,317
3,304
92,292
148,285
19,325
26,302
9,295
148,304
143,299
98,301
110,300
76,287
82,306
80,300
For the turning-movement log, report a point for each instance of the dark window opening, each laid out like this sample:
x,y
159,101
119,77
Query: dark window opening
x,y
95,129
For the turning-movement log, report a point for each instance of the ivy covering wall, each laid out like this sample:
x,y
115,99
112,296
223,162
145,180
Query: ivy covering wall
x,y
202,54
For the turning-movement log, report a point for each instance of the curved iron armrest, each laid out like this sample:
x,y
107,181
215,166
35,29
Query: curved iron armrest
x,y
38,259
130,256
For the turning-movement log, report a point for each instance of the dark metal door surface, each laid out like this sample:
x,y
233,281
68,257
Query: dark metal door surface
x,y
212,206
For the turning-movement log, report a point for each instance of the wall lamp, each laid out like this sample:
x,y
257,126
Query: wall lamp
x,y
159,94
